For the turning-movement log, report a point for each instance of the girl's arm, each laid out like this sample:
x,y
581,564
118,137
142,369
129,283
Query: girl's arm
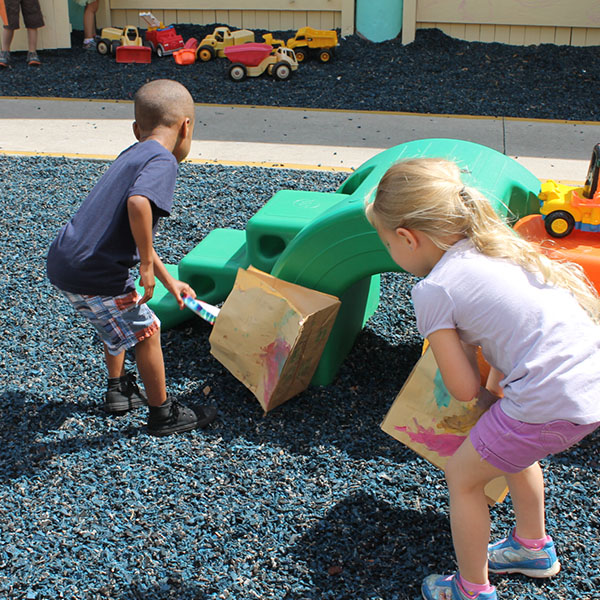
x,y
457,364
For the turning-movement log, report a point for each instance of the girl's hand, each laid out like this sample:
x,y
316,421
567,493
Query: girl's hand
x,y
485,399
181,288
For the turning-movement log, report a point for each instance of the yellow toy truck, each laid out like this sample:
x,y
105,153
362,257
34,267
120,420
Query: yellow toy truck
x,y
214,43
308,42
565,208
113,37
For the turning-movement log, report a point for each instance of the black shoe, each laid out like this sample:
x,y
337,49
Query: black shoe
x,y
123,394
174,417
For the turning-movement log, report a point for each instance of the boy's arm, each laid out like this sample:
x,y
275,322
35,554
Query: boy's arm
x,y
139,211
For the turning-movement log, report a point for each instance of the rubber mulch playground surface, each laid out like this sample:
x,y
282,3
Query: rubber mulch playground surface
x,y
312,501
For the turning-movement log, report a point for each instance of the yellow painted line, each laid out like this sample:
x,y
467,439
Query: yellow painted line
x,y
270,165
198,161
58,154
334,110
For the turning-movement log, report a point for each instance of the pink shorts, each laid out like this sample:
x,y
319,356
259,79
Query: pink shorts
x,y
511,445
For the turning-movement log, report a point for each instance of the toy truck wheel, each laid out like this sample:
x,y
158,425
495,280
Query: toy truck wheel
x,y
206,53
103,47
282,71
325,55
300,55
237,72
160,51
113,47
559,223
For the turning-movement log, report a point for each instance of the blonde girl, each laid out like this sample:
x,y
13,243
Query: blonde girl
x,y
536,322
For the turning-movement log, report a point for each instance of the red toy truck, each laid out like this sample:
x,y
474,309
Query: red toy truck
x,y
163,40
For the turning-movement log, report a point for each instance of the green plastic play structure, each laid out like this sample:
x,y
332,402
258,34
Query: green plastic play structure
x,y
324,242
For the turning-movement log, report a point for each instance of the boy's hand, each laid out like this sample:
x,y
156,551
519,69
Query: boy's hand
x,y
147,281
181,288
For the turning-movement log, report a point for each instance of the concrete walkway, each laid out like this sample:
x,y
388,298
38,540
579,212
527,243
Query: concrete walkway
x,y
293,138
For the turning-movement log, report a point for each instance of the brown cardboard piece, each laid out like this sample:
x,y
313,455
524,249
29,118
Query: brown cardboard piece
x,y
428,420
270,334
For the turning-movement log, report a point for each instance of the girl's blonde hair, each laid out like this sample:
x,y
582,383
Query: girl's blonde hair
x,y
427,194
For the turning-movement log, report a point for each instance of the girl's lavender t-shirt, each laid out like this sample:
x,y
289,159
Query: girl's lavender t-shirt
x,y
93,253
537,335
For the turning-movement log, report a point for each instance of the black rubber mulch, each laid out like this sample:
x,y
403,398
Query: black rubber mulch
x,y
435,74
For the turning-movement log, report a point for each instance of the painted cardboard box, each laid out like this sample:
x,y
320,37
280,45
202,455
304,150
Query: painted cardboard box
x,y
427,419
270,334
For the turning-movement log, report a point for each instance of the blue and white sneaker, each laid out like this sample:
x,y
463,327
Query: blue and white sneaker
x,y
446,587
508,556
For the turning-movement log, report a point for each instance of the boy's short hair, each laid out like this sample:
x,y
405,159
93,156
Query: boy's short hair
x,y
162,102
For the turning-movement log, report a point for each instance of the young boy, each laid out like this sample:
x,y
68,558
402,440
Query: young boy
x,y
112,231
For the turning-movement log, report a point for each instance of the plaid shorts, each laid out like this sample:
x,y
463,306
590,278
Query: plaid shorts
x,y
119,320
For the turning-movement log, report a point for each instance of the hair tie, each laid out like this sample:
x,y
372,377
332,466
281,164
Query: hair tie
x,y
465,196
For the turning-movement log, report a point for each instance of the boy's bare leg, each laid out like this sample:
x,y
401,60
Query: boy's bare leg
x,y
151,366
114,364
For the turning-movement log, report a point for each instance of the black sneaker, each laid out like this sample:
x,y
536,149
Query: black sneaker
x,y
123,394
174,417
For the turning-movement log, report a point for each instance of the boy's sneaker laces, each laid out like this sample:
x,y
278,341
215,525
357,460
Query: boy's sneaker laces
x,y
174,417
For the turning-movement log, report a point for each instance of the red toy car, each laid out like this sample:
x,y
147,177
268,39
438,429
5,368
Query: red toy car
x,y
164,41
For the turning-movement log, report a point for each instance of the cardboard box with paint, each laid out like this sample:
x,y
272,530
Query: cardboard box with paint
x,y
270,334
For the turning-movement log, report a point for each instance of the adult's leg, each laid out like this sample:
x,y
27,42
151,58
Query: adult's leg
x,y
32,36
7,38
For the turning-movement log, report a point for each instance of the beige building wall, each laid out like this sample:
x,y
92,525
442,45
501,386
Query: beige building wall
x,y
244,14
519,22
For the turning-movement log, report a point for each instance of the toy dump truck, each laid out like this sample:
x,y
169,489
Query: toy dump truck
x,y
163,40
214,43
113,37
308,42
253,59
565,208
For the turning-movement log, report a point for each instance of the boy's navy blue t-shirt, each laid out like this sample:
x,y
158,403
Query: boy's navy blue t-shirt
x,y
93,252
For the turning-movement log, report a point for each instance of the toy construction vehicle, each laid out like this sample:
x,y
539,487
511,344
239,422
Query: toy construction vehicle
x,y
308,42
163,40
253,59
214,43
565,208
113,37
